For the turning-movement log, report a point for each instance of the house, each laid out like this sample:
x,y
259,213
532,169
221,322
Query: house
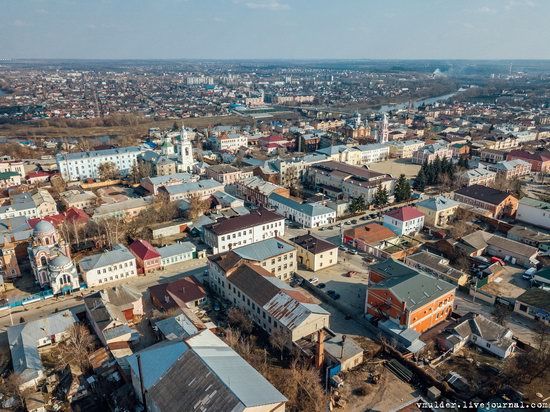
x,y
484,333
227,234
26,339
408,298
153,184
539,160
406,220
510,169
181,293
535,212
495,202
202,189
369,237
227,174
478,176
314,253
125,209
305,214
81,199
480,242
342,153
126,299
344,351
148,259
176,253
436,266
214,376
274,255
109,321
542,277
269,302
9,179
530,237
110,266
534,304
438,210
256,190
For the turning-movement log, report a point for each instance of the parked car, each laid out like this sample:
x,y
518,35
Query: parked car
x,y
330,292
343,248
321,285
353,252
495,259
354,221
336,296
314,280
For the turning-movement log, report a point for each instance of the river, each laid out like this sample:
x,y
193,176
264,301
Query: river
x,y
416,103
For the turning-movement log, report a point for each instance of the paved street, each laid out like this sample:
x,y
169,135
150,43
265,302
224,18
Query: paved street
x,y
45,307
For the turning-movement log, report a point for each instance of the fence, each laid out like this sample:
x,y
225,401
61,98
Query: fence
x,y
37,297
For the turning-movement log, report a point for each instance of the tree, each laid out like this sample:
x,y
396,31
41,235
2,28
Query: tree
x,y
58,184
166,210
278,340
381,196
197,206
532,364
108,171
501,313
402,189
77,347
420,181
357,204
140,170
237,318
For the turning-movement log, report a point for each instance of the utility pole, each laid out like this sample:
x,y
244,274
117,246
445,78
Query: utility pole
x,y
9,308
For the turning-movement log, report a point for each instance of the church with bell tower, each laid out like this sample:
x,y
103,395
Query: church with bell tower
x,y
185,152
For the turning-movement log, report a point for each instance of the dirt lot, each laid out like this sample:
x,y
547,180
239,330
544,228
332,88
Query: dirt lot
x,y
387,394
509,283
396,167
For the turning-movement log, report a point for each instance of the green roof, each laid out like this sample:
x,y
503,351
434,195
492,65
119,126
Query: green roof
x,y
543,273
539,204
392,268
7,175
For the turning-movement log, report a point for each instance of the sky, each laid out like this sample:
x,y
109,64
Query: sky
x,y
275,29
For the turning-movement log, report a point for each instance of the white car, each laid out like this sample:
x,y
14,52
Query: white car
x,y
314,280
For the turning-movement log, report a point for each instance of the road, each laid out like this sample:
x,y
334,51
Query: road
x,y
46,307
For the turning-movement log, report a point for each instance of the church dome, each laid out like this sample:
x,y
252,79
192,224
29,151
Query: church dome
x,y
43,228
60,261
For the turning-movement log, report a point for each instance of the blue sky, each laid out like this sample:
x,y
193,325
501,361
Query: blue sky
x,y
297,29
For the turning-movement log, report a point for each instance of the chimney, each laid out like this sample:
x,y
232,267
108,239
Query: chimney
x,y
320,355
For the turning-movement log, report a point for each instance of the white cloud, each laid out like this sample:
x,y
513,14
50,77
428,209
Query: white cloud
x,y
19,23
519,3
482,10
273,5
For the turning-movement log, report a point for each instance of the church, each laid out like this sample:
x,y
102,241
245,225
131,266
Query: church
x,y
50,260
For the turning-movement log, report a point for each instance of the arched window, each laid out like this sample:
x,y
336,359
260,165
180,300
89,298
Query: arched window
x,y
43,261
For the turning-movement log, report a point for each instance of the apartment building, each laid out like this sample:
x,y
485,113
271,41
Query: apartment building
x,y
116,264
404,149
539,160
227,174
153,184
305,214
431,152
257,191
511,169
477,176
535,212
203,189
227,234
495,202
438,211
373,153
230,142
85,165
291,170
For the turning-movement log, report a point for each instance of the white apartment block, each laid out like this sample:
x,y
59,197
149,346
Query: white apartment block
x,y
373,153
306,214
230,142
107,267
243,230
85,165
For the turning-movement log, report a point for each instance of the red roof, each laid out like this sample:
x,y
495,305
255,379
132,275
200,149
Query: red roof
x,y
405,213
32,175
75,214
143,250
55,220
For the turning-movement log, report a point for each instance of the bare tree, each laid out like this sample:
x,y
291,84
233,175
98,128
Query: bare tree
x,y
77,347
108,171
58,184
460,229
278,340
501,313
239,319
197,206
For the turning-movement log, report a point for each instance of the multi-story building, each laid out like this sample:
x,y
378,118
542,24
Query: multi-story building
x,y
495,202
230,142
438,210
295,169
9,179
148,259
336,179
404,221
305,214
256,190
431,152
81,199
540,160
243,230
14,166
314,253
126,209
274,255
478,176
408,298
342,153
153,184
106,267
202,188
372,153
404,149
436,266
535,212
85,165
492,155
270,303
227,174
510,169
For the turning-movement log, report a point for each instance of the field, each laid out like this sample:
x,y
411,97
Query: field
x,y
35,131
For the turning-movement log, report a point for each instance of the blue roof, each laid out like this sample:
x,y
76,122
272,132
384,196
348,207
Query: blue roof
x,y
156,360
264,249
438,203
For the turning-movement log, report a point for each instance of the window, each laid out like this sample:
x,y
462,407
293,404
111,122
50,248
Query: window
x,y
523,308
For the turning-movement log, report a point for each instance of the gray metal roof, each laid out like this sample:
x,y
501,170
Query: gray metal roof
x,y
264,249
119,254
176,249
97,153
309,209
438,203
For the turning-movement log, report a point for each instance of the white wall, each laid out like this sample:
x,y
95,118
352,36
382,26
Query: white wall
x,y
111,273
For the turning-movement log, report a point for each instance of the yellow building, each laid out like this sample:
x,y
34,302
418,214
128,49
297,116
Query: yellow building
x,y
438,210
315,253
